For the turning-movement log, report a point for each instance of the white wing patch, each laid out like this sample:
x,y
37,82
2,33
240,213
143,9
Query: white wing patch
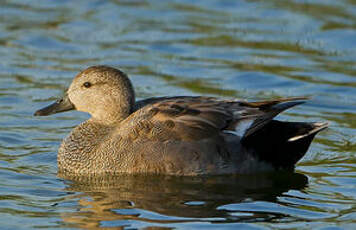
x,y
241,127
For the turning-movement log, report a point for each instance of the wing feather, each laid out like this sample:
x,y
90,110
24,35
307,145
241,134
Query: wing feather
x,y
195,118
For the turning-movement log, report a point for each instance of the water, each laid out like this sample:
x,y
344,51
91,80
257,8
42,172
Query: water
x,y
240,49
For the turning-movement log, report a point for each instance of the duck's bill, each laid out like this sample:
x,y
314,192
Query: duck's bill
x,y
61,105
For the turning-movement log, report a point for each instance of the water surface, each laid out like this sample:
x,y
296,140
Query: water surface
x,y
236,49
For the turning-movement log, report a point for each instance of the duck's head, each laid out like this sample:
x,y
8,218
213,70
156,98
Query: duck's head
x,y
104,92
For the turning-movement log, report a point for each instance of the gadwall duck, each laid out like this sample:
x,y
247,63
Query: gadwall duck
x,y
183,135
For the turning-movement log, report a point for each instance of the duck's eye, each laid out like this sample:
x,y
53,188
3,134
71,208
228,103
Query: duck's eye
x,y
87,84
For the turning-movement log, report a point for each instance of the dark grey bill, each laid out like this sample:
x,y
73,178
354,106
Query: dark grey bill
x,y
61,105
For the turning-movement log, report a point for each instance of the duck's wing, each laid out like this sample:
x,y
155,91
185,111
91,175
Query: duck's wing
x,y
195,118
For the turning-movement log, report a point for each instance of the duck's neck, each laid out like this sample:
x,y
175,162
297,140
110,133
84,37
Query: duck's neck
x,y
115,110
109,118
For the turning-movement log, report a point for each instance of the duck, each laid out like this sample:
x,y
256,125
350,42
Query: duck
x,y
177,135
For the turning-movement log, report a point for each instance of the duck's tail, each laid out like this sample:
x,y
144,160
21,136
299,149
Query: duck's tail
x,y
283,144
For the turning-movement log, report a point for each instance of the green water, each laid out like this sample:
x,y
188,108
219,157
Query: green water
x,y
237,49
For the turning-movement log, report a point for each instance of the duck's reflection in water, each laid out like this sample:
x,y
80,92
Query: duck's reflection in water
x,y
167,199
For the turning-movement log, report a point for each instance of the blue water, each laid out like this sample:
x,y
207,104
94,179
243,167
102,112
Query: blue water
x,y
237,49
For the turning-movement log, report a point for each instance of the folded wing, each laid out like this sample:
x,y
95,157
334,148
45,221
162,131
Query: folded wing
x,y
195,118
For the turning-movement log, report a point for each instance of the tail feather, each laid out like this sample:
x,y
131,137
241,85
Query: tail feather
x,y
317,127
283,144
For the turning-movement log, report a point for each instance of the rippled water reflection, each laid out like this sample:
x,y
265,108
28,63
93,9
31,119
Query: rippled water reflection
x,y
249,49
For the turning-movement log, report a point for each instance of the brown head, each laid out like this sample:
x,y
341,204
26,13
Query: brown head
x,y
104,92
